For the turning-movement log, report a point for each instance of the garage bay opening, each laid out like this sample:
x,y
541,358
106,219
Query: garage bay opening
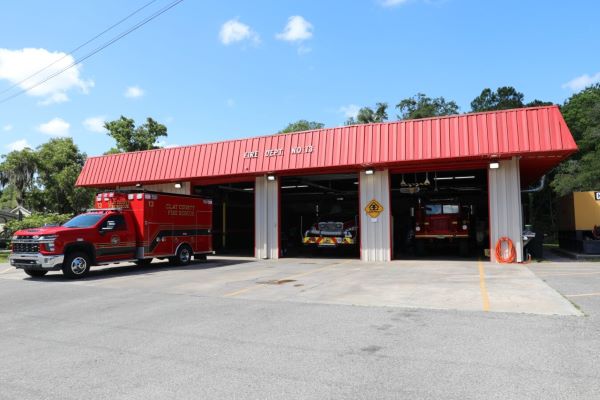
x,y
233,217
440,214
319,216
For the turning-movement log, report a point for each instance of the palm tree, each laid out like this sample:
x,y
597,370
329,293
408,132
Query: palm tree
x,y
18,170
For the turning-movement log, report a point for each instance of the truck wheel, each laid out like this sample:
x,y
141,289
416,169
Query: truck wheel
x,y
35,273
76,265
463,248
420,247
183,256
144,262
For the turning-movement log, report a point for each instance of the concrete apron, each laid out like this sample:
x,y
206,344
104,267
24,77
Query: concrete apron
x,y
455,285
450,285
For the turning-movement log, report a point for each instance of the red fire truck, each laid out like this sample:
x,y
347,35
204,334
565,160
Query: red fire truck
x,y
447,220
123,226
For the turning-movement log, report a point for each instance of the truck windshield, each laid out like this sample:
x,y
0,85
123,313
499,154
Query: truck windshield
x,y
437,209
450,209
83,221
433,209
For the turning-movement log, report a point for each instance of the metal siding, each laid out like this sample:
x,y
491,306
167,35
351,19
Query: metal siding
x,y
500,134
375,237
266,225
505,205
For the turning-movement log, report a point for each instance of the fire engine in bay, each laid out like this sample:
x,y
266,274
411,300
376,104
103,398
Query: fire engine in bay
x,y
443,219
123,226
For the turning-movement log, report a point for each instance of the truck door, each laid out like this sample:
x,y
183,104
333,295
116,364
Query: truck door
x,y
117,240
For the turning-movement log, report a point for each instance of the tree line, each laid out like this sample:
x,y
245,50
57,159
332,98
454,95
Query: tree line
x,y
43,179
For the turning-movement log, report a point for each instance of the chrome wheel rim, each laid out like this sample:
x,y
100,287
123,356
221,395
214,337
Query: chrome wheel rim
x,y
184,255
78,265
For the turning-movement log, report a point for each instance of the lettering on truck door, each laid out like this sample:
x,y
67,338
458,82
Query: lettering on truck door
x,y
117,241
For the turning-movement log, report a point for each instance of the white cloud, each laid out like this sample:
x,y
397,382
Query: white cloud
x,y
18,145
296,30
7,128
581,82
164,144
392,3
95,124
55,127
55,98
16,65
235,31
350,111
133,92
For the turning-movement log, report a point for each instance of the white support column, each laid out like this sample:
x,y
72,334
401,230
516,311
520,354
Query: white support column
x,y
375,233
505,206
266,224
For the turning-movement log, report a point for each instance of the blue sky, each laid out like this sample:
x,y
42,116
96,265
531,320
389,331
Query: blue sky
x,y
220,70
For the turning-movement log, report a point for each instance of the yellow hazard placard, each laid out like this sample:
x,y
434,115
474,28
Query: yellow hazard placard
x,y
374,208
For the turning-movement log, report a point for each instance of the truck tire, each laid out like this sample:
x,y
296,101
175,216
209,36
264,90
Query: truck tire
x,y
35,273
463,248
76,265
420,247
183,256
144,262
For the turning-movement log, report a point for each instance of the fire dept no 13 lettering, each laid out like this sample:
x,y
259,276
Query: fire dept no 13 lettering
x,y
279,152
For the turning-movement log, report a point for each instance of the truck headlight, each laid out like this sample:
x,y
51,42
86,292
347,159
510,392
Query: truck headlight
x,y
418,229
464,227
49,246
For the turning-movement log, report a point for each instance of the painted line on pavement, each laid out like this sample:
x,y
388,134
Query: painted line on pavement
x,y
583,294
259,285
6,270
482,287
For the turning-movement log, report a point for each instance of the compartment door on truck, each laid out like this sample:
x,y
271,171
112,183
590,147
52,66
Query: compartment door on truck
x,y
118,242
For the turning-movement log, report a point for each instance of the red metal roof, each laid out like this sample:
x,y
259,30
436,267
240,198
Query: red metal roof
x,y
539,135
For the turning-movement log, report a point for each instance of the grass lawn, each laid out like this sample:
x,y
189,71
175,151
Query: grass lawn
x,y
3,257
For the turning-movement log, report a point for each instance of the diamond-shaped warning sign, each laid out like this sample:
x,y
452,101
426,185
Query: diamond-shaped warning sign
x,y
374,208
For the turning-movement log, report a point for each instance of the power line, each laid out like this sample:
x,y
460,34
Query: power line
x,y
98,49
78,47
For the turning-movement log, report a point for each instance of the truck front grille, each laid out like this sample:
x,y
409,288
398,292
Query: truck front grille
x,y
331,226
25,247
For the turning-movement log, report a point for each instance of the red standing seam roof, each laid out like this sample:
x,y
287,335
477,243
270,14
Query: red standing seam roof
x,y
538,135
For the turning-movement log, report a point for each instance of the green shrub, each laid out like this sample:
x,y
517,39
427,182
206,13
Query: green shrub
x,y
36,221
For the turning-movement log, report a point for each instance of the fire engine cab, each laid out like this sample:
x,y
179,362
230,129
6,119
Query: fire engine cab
x,y
123,226
446,220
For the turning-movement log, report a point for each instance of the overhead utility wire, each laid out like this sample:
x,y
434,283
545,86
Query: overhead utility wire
x,y
79,61
78,47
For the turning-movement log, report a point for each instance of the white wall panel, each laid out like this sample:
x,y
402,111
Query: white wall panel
x,y
266,203
375,234
505,206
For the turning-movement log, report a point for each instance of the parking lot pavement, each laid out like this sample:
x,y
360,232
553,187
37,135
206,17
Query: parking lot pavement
x,y
578,281
458,285
165,332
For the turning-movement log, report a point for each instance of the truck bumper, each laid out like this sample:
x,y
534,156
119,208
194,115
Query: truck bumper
x,y
36,261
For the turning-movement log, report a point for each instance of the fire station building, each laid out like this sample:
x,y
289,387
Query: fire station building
x,y
371,180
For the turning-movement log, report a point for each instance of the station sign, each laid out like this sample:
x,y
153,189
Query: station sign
x,y
296,150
